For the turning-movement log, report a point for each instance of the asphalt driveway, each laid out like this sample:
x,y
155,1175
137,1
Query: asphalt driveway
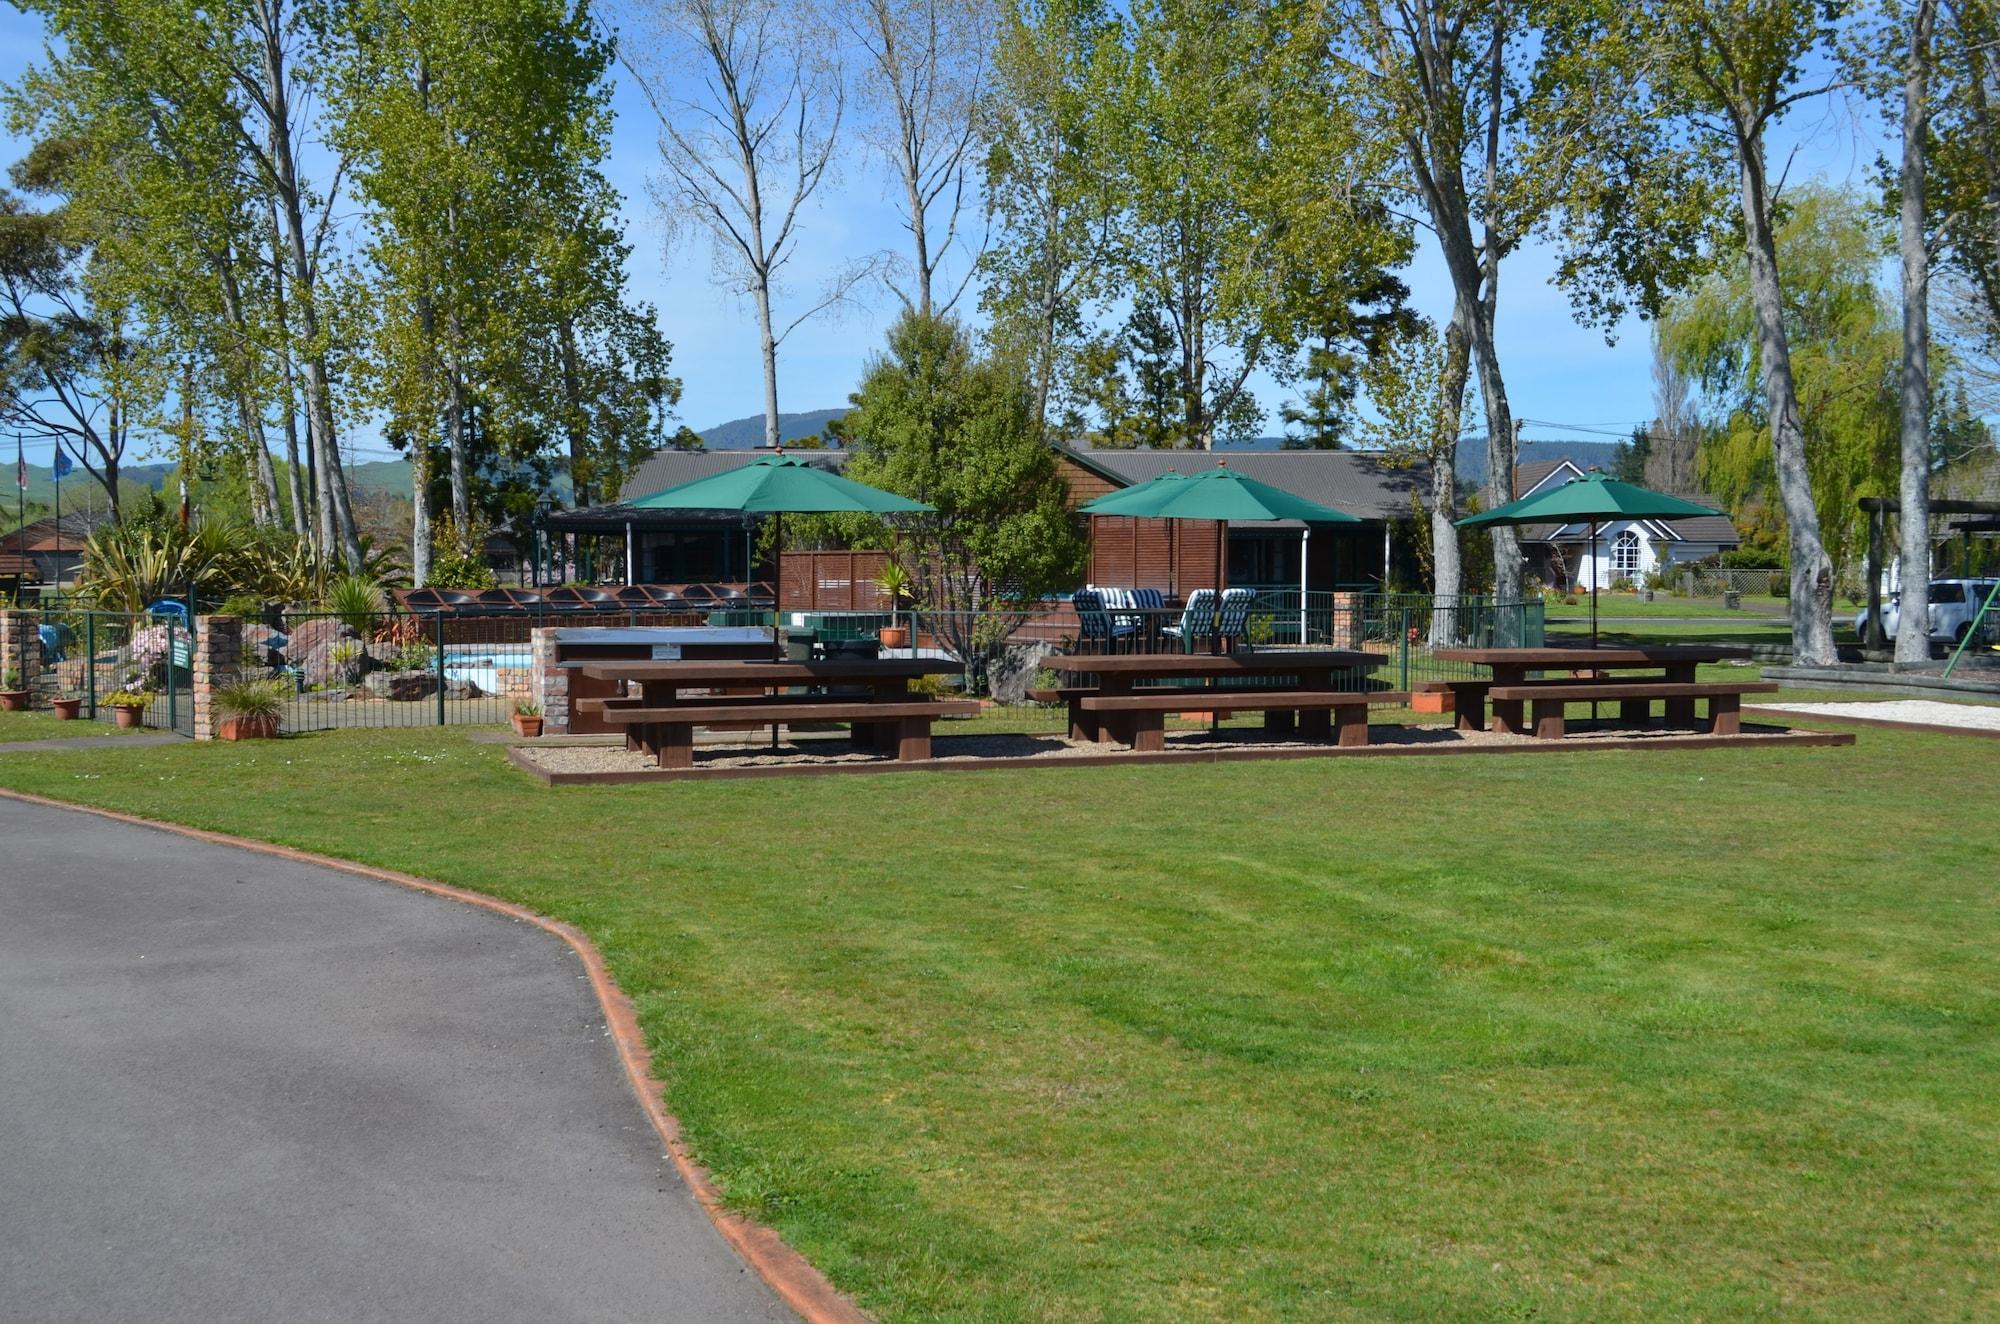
x,y
234,1087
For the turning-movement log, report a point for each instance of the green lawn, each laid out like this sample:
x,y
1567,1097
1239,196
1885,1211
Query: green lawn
x,y
1629,604
1577,1036
44,726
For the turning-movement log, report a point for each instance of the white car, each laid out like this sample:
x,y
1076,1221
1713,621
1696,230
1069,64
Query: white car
x,y
1954,603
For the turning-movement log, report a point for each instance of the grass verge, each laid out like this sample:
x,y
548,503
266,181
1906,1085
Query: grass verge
x,y
1592,1036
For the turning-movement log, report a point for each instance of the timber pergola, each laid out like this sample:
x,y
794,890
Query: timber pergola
x,y
1986,519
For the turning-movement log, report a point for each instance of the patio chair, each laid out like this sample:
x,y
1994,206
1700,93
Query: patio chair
x,y
1231,620
1093,623
1197,620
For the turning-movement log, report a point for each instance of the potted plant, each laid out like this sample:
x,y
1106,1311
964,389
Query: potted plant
x,y
127,706
67,707
13,698
250,710
894,581
528,720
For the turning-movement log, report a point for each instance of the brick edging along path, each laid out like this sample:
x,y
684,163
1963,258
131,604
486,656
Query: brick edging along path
x,y
797,1283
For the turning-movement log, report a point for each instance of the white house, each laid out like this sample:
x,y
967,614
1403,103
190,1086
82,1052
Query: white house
x,y
1562,555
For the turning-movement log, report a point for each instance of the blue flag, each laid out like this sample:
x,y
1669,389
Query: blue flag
x,y
61,463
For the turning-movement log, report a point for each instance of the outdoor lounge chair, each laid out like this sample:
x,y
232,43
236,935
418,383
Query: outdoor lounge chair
x,y
1231,620
1197,620
1093,622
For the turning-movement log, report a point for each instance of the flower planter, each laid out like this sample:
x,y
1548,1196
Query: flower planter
x,y
129,715
261,727
895,636
528,728
66,710
14,701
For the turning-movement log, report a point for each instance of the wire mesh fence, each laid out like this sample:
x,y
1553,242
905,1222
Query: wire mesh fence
x,y
99,657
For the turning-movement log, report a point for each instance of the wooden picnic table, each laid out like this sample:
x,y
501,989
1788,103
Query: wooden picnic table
x,y
1112,708
1510,667
676,696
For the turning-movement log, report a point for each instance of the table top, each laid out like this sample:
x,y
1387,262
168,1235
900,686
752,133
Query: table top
x,y
1265,662
1621,655
730,671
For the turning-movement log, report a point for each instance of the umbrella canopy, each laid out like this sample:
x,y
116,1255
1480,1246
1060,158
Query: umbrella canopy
x,y
1592,499
1220,494
774,484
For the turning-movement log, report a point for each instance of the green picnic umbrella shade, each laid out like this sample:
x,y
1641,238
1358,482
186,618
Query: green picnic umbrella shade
x,y
1591,499
1594,497
1220,494
776,485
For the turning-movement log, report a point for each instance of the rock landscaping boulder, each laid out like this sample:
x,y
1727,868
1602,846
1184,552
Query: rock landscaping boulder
x,y
263,645
1011,674
401,685
342,662
461,689
315,633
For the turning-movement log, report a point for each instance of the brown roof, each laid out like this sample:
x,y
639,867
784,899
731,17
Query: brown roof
x,y
1361,483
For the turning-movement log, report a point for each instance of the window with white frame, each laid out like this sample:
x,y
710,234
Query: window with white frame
x,y
1625,555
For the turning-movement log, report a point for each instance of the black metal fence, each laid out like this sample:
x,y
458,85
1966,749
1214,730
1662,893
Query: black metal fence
x,y
97,656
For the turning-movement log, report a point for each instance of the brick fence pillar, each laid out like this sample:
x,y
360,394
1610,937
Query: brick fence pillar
x,y
550,682
218,661
1350,625
21,646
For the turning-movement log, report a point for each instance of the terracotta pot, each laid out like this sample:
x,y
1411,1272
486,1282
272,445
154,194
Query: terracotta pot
x,y
895,636
66,709
14,701
129,715
247,728
528,728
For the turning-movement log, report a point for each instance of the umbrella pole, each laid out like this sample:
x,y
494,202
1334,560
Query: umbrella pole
x,y
777,599
1594,577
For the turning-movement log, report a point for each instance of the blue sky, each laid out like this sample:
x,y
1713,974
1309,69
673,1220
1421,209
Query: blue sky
x,y
1555,369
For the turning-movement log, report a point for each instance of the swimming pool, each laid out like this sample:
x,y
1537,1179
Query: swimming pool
x,y
482,665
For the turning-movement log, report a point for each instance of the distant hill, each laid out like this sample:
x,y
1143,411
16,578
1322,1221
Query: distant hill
x,y
744,434
78,487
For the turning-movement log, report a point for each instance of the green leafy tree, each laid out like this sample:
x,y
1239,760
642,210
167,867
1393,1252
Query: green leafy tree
x,y
1056,63
1840,328
1418,389
934,422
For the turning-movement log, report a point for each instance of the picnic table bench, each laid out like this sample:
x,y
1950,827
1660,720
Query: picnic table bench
x,y
1290,687
675,698
1512,692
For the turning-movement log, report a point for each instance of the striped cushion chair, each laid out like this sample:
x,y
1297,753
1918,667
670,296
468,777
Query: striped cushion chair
x,y
1197,620
1234,615
1093,629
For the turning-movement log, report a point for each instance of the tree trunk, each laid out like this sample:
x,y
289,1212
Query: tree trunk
x,y
1914,517
420,513
249,416
1812,573
769,345
455,445
1447,571
336,517
300,483
579,459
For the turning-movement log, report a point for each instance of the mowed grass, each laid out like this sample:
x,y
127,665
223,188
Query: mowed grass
x,y
1632,605
44,726
1580,1036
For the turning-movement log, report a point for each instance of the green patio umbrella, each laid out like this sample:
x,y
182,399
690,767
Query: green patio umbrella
x,y
1219,495
775,485
1593,499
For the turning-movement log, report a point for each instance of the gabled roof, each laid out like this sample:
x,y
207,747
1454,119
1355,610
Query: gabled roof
x,y
1530,478
669,468
40,535
1362,483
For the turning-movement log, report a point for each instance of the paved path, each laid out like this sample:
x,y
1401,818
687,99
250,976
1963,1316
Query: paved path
x,y
237,1088
1918,712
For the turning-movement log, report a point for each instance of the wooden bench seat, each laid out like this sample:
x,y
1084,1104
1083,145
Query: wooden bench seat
x,y
900,724
1468,697
1139,719
1548,699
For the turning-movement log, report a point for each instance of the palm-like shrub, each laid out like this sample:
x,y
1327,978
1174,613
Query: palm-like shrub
x,y
356,602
